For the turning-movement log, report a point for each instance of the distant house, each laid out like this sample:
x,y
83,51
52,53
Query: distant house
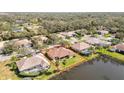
x,y
70,34
33,64
59,52
19,21
105,38
92,40
18,29
40,38
103,32
119,48
80,46
97,41
22,43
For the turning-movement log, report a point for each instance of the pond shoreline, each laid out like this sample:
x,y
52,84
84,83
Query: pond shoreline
x,y
72,66
113,55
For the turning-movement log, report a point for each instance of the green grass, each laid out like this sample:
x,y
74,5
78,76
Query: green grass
x,y
112,54
72,60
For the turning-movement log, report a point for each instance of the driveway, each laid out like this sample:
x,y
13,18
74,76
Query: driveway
x,y
5,57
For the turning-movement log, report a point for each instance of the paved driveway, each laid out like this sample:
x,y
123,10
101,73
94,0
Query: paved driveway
x,y
4,57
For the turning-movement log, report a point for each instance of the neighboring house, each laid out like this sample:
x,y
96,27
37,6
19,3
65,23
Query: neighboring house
x,y
22,43
40,38
59,52
19,21
92,40
104,43
105,38
102,32
69,34
33,64
119,48
18,29
97,41
80,46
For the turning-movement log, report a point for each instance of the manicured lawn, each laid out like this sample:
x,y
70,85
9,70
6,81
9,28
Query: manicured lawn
x,y
6,73
72,60
112,54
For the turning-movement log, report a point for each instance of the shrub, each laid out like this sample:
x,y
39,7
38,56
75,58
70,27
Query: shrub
x,y
29,74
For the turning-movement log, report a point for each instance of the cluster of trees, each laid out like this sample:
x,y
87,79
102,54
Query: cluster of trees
x,y
60,22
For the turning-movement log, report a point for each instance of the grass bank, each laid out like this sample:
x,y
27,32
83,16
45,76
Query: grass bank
x,y
114,55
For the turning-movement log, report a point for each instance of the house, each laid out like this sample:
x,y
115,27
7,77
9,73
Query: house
x,y
102,32
69,34
101,37
97,41
35,63
80,46
119,48
92,40
18,29
40,38
22,43
59,52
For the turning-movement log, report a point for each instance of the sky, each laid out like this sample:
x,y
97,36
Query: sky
x,y
61,5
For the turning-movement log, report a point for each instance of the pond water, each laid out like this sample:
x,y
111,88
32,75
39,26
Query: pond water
x,y
102,68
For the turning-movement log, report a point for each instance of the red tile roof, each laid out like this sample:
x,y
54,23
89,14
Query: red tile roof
x,y
59,52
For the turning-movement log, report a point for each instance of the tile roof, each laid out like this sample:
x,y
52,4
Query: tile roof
x,y
119,46
59,52
80,46
33,61
22,42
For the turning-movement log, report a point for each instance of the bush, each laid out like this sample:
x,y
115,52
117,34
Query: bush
x,y
29,74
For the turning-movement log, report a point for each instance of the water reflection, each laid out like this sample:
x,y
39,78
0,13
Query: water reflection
x,y
101,68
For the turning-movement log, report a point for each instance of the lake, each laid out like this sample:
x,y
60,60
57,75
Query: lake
x,y
102,68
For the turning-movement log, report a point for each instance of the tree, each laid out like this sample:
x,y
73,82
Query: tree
x,y
8,48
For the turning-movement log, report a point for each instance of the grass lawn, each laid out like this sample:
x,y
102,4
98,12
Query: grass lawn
x,y
112,54
6,73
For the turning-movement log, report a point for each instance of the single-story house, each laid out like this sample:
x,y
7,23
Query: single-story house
x,y
70,34
18,29
22,43
40,38
97,41
80,46
102,32
119,47
92,40
59,52
104,38
35,63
